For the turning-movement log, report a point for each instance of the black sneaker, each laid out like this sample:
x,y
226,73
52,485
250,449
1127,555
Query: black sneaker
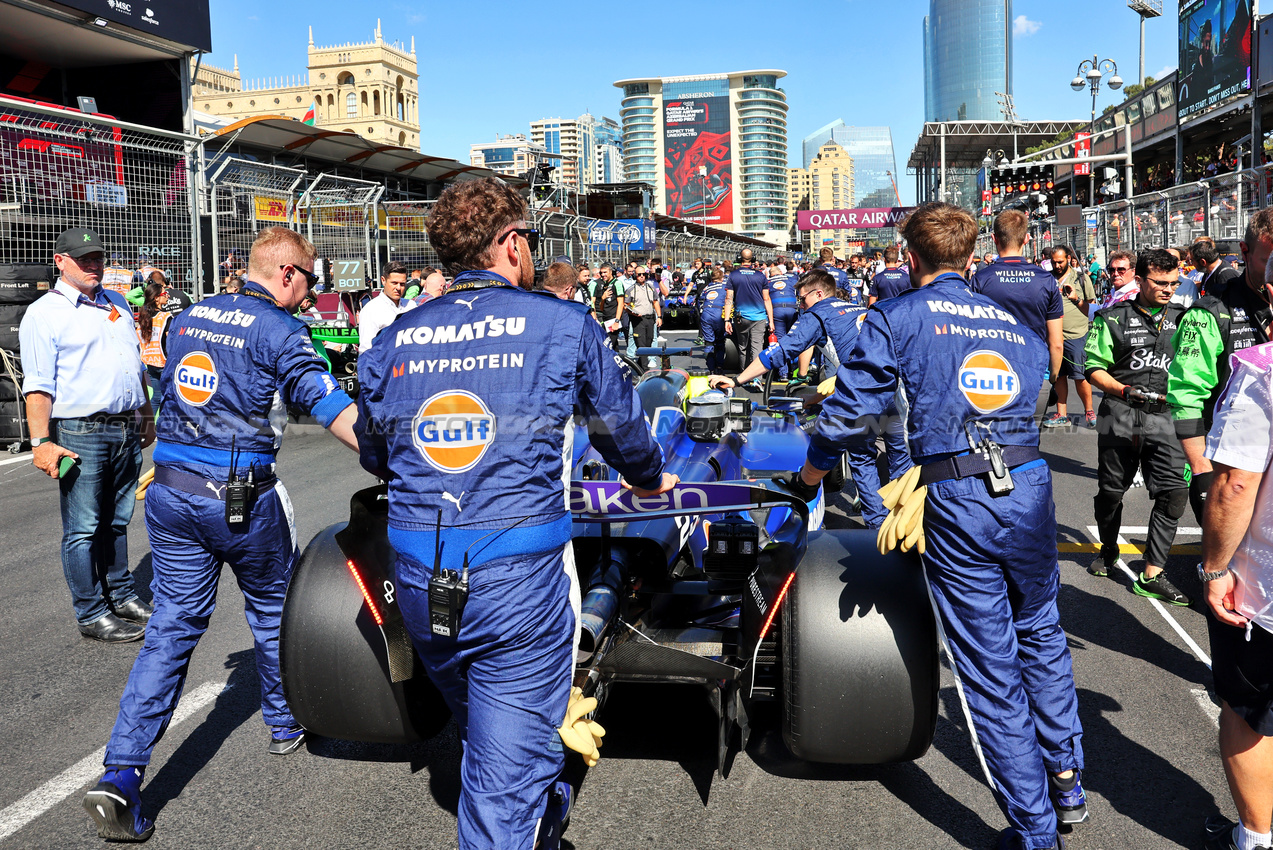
x,y
1068,798
286,739
1159,587
1107,561
1218,834
114,804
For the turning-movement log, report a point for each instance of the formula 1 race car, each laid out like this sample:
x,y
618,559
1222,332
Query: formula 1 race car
x,y
727,581
678,308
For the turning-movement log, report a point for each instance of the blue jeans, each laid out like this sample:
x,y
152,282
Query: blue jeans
x,y
97,499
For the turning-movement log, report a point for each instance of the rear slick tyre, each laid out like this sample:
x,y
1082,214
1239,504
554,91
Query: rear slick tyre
x,y
859,654
334,663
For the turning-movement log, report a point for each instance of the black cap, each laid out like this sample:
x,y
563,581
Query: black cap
x,y
77,242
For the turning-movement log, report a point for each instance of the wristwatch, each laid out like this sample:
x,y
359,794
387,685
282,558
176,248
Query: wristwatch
x,y
39,441
1206,576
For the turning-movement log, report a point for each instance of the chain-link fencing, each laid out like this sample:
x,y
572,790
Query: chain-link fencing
x,y
243,198
62,168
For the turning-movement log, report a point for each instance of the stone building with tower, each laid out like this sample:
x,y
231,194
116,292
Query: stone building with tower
x,y
371,89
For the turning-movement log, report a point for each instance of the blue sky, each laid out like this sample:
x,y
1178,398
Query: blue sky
x,y
493,67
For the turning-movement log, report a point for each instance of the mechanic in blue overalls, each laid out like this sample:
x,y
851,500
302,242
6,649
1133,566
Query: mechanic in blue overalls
x,y
711,317
467,408
968,376
826,262
747,288
234,364
786,307
827,317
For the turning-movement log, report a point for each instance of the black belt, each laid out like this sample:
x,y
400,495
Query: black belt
x,y
966,466
197,485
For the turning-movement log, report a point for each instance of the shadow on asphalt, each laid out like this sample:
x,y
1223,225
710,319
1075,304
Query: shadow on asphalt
x,y
908,781
1126,774
1106,623
440,755
1077,467
663,723
238,703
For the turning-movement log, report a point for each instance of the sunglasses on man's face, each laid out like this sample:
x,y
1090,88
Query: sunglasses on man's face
x,y
311,279
530,234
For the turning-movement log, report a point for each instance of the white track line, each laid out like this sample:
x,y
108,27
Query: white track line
x,y
19,814
1207,702
25,457
1171,621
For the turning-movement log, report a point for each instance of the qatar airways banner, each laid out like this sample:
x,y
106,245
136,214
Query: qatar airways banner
x,y
863,217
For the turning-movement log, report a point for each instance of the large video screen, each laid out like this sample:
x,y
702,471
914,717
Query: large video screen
x,y
696,135
1215,54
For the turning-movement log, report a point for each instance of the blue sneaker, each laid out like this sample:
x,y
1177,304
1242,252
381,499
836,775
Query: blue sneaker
x,y
1068,798
286,739
560,800
114,804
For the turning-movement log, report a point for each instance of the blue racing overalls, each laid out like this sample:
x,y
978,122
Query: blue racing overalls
x,y
234,364
467,408
838,321
786,307
711,323
958,366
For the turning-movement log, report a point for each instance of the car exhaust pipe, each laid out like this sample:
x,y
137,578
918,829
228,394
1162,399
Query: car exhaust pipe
x,y
600,604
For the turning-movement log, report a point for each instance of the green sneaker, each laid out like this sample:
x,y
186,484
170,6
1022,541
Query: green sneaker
x,y
1105,561
1159,587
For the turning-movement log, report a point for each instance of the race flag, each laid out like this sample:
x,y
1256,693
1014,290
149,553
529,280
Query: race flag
x,y
309,116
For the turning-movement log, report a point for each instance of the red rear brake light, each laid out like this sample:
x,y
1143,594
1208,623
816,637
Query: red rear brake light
x,y
773,612
366,594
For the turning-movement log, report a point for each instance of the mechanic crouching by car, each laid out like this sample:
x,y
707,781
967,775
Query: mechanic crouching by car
x,y
1128,352
970,376
467,408
234,361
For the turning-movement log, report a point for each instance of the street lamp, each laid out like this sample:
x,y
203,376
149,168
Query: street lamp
x,y
1090,73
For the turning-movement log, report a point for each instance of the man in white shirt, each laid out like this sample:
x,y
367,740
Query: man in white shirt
x,y
383,309
1237,574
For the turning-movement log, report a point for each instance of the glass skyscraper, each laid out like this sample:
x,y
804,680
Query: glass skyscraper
x,y
967,58
873,160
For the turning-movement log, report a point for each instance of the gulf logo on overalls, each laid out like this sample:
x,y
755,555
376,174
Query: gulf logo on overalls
x,y
453,430
196,378
988,381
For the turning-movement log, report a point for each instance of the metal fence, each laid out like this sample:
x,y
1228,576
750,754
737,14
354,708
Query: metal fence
x,y
405,239
340,216
1219,207
243,198
62,168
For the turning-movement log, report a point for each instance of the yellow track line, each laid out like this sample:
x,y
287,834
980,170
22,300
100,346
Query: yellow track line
x,y
1128,548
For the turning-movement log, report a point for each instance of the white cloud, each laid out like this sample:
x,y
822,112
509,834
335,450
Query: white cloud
x,y
1167,69
1021,25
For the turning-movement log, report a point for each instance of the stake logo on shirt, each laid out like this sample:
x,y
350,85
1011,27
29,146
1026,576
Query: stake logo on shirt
x,y
453,429
988,381
196,379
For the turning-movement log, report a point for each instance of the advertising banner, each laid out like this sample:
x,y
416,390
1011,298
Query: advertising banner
x,y
699,179
1082,150
182,21
851,219
636,233
272,209
1215,54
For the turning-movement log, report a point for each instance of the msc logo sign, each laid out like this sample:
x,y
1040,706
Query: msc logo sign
x,y
196,379
988,381
453,429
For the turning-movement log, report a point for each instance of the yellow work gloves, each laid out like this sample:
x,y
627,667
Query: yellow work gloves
x,y
578,733
143,482
905,522
827,388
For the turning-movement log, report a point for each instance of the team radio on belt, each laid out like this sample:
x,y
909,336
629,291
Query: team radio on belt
x,y
495,489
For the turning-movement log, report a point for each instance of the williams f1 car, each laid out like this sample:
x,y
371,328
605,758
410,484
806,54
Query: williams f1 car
x,y
727,581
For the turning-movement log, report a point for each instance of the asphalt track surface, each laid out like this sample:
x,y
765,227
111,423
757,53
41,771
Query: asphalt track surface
x,y
1153,770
